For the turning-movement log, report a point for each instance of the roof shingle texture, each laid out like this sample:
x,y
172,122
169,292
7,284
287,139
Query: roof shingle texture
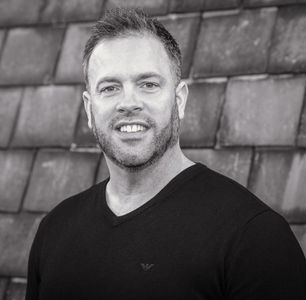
x,y
29,55
271,2
9,102
58,174
157,7
70,10
234,163
16,12
47,116
245,63
15,167
83,135
2,35
16,290
279,179
16,235
302,131
241,35
69,69
289,41
182,29
245,122
202,112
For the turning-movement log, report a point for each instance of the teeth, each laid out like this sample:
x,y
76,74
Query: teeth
x,y
132,128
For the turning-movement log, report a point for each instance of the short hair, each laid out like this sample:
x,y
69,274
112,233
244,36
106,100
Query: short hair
x,y
122,22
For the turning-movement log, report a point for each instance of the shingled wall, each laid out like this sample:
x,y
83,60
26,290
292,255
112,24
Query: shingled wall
x,y
245,62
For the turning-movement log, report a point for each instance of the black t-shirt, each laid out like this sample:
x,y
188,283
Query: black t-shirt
x,y
203,236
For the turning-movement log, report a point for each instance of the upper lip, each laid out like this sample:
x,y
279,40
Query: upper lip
x,y
131,122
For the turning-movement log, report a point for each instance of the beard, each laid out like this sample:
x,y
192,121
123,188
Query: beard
x,y
163,139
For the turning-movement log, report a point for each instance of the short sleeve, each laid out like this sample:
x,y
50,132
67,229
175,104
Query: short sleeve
x,y
266,262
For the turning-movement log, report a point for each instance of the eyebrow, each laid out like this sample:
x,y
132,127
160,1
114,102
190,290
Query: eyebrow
x,y
148,75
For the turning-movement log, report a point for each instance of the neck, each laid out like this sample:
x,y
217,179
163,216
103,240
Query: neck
x,y
126,190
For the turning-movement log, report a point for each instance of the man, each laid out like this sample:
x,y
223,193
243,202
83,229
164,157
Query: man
x,y
161,227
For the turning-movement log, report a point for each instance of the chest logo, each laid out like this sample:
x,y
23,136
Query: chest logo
x,y
146,267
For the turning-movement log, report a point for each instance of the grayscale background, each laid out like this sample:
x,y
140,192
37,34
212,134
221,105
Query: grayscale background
x,y
245,62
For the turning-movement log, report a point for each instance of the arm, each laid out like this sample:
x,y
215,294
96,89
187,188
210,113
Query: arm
x,y
266,262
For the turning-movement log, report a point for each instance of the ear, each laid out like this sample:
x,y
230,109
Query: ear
x,y
87,106
181,93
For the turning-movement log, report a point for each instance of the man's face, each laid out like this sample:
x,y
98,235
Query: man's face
x,y
131,103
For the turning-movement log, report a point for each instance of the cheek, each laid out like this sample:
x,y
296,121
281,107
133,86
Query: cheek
x,y
165,108
101,114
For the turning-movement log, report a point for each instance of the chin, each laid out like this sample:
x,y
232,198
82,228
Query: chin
x,y
133,162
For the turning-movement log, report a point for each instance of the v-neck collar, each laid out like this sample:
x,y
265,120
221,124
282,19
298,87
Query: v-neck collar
x,y
114,220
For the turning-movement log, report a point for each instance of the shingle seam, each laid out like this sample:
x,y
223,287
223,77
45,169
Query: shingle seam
x,y
3,43
221,116
252,165
17,114
38,84
19,279
16,213
85,149
270,46
239,74
299,127
297,223
178,16
240,4
168,7
194,45
58,55
102,8
6,286
192,146
30,25
43,5
32,147
20,208
245,6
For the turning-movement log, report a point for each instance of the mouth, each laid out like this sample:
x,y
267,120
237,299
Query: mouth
x,y
132,127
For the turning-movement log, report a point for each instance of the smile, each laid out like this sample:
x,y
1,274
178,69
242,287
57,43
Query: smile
x,y
132,128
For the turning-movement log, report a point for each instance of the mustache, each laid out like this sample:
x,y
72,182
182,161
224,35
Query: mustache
x,y
129,117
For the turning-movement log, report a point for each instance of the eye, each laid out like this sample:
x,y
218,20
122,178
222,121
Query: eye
x,y
150,85
109,89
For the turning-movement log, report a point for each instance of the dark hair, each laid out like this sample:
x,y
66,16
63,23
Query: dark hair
x,y
123,22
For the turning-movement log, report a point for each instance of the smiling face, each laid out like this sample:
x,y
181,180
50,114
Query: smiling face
x,y
133,104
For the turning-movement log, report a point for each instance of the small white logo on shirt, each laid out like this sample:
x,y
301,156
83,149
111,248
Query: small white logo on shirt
x,y
146,267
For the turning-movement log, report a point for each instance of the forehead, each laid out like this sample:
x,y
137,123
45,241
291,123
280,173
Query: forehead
x,y
129,55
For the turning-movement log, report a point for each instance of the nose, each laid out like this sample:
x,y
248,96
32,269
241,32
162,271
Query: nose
x,y
129,102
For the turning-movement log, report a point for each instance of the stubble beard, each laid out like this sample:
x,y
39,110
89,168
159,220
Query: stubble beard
x,y
163,140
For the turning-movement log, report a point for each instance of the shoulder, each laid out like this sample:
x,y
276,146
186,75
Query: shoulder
x,y
224,198
73,208
236,210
